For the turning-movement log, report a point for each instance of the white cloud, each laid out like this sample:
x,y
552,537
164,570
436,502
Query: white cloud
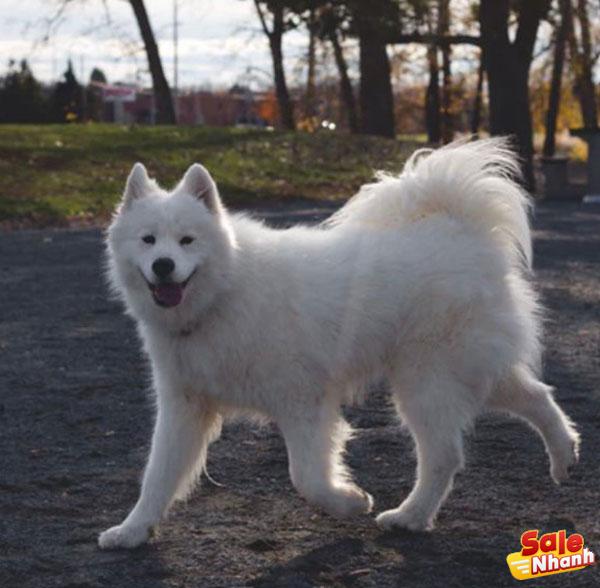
x,y
218,39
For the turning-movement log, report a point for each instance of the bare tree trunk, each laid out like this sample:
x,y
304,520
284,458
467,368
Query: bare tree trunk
x,y
370,20
376,98
311,90
447,116
432,98
588,87
582,63
557,72
284,102
507,65
286,109
165,113
443,29
478,101
346,91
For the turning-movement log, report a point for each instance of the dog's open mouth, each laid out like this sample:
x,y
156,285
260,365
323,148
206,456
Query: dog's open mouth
x,y
168,294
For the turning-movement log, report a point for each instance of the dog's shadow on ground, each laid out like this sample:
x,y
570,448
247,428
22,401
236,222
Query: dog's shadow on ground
x,y
414,559
142,566
443,559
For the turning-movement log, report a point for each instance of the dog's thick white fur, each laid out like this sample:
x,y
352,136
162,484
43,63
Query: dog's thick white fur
x,y
421,279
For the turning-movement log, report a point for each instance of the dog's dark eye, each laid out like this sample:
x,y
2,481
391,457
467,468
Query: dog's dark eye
x,y
149,239
186,240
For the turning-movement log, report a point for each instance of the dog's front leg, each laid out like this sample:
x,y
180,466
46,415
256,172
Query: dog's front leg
x,y
315,442
182,433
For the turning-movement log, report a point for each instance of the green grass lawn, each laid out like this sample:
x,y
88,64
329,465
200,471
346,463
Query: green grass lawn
x,y
56,174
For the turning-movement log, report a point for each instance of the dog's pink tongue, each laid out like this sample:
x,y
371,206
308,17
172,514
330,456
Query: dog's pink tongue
x,y
169,294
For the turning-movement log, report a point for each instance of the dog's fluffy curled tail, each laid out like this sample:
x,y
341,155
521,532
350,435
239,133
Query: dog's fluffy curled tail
x,y
474,182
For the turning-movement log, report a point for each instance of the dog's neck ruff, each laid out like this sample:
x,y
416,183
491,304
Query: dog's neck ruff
x,y
192,325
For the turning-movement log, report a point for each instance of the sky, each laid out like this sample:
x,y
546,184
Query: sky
x,y
218,40
220,43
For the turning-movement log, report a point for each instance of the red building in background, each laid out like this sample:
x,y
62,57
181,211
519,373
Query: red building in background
x,y
238,106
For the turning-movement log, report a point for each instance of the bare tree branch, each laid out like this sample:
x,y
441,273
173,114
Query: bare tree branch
x,y
433,39
263,22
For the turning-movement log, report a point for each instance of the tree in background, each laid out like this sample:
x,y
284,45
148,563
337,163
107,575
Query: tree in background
x,y
477,99
435,16
276,11
582,61
310,96
372,22
21,98
443,10
165,111
304,14
331,21
562,25
507,64
66,99
433,121
509,31
98,76
422,18
428,23
94,105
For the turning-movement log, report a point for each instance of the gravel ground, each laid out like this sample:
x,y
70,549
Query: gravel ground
x,y
75,423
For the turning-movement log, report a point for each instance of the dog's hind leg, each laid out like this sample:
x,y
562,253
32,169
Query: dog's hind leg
x,y
522,395
436,412
182,433
315,442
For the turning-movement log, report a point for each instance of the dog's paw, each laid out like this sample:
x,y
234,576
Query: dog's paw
x,y
123,537
404,517
561,462
347,501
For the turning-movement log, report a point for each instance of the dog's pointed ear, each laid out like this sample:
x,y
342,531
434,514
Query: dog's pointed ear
x,y
198,183
137,184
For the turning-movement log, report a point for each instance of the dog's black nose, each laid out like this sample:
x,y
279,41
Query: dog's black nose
x,y
163,266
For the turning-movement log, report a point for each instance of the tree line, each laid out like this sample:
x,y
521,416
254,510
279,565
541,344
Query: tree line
x,y
23,99
504,33
506,37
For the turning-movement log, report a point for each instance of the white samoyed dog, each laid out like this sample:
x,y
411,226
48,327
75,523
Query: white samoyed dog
x,y
421,279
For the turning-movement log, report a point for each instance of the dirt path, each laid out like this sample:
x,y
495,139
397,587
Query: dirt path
x,y
75,424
